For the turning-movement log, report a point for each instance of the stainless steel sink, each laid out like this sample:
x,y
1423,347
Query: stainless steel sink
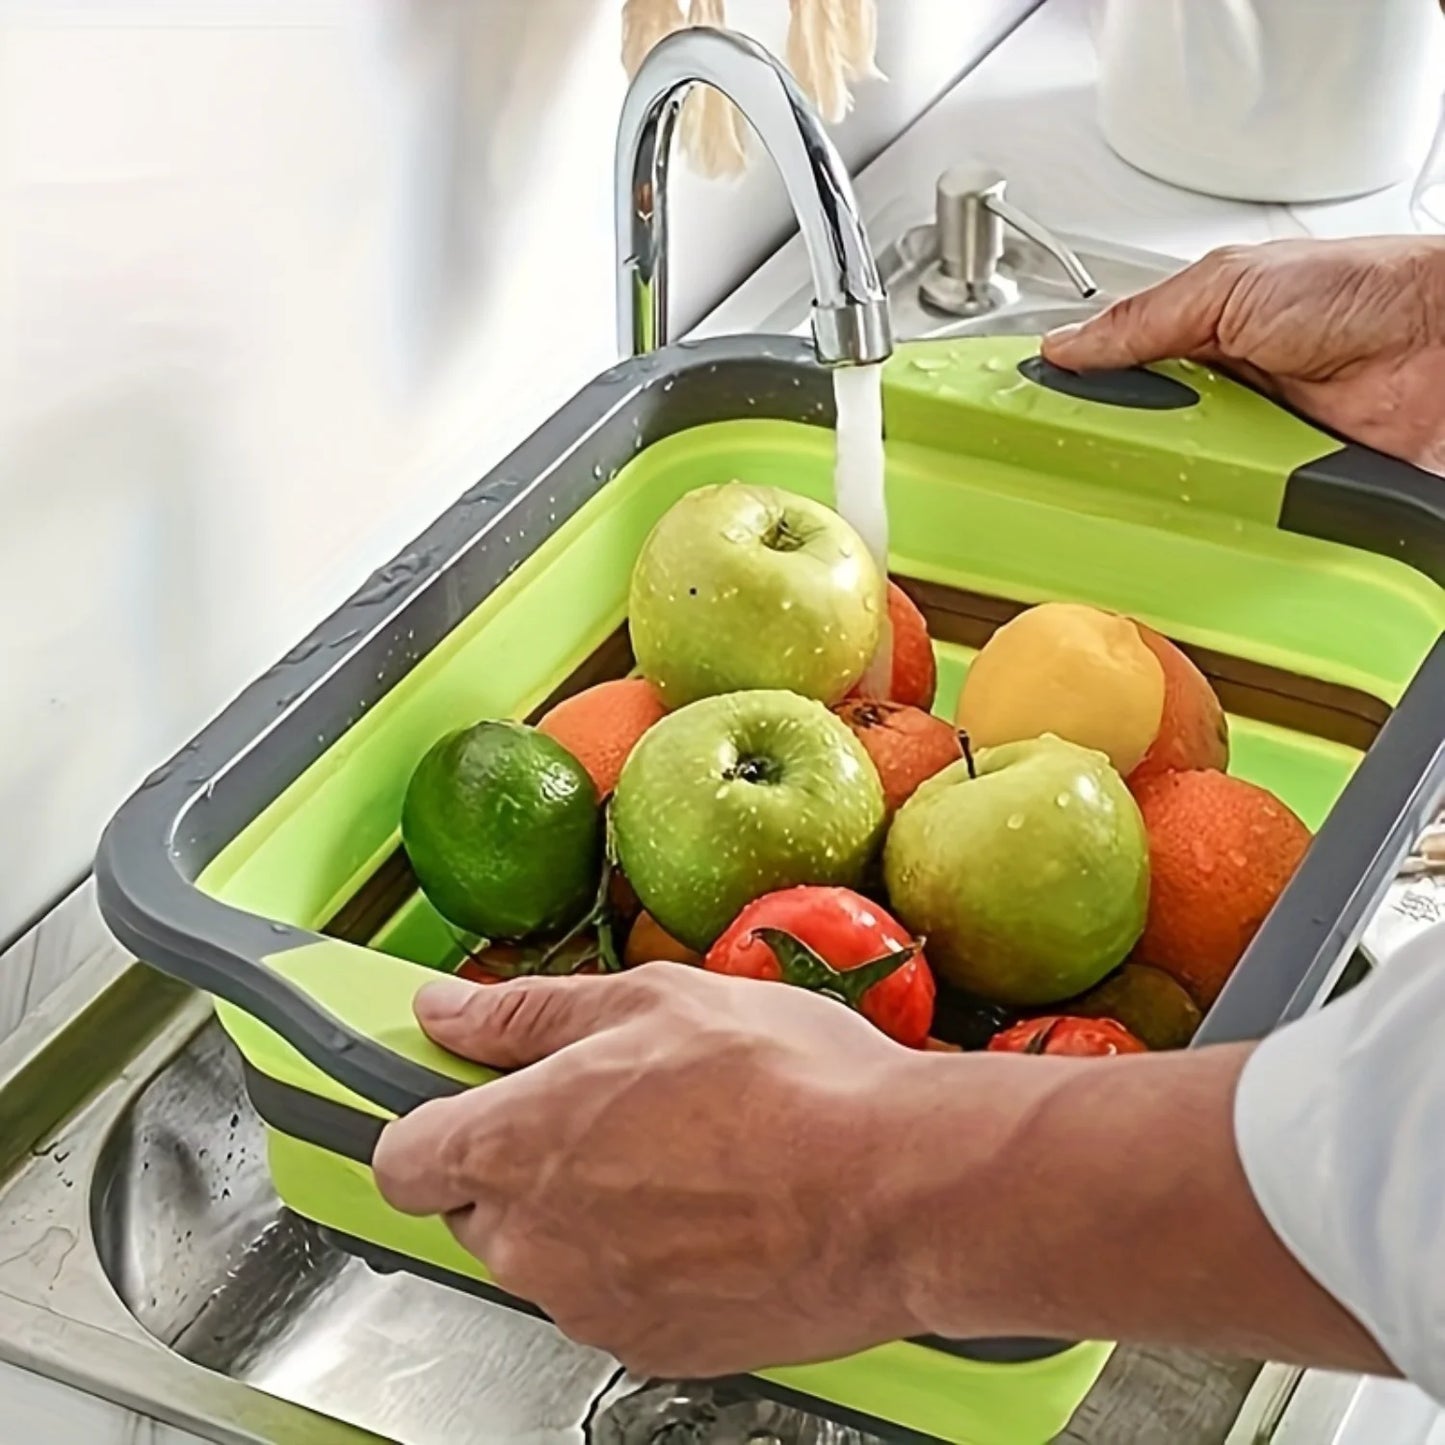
x,y
193,1239
147,1259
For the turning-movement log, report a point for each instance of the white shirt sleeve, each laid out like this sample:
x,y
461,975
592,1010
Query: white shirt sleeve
x,y
1340,1122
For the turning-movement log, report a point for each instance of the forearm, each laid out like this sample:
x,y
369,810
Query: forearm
x,y
1104,1200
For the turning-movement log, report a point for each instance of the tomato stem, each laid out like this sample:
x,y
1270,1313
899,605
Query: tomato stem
x,y
804,968
1039,1043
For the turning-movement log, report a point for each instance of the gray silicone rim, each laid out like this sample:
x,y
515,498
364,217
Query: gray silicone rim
x,y
164,836
186,811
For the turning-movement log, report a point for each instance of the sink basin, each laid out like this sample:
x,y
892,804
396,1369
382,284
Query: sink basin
x,y
193,1239
195,1242
149,1261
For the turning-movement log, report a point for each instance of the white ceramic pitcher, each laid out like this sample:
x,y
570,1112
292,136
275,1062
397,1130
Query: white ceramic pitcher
x,y
1272,100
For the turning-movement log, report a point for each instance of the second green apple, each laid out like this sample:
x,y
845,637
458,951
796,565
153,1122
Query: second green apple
x,y
1029,876
733,797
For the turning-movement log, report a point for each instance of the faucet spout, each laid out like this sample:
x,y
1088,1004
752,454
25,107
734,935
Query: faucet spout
x,y
850,308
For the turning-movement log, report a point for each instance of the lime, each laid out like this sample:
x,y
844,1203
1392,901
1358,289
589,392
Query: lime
x,y
504,831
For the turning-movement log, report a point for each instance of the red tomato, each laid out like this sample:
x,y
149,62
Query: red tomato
x,y
1075,1037
845,931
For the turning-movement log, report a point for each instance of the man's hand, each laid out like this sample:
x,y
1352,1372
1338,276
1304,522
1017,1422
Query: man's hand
x,y
1350,333
685,1170
708,1175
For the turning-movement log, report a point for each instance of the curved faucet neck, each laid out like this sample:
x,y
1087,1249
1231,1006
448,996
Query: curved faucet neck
x,y
850,307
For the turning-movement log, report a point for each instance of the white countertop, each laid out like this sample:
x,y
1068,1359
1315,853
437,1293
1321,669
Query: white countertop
x,y
1028,109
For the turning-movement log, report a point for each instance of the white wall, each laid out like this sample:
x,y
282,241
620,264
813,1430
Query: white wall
x,y
278,278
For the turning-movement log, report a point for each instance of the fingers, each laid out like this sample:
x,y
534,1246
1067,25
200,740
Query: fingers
x,y
511,1025
438,1158
444,1156
1179,317
433,1160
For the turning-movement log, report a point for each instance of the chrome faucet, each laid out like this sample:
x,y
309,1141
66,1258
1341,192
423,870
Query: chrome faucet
x,y
850,308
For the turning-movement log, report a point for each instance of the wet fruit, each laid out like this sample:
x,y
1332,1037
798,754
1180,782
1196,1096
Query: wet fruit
x,y
1150,1004
906,744
601,725
649,942
733,797
504,831
829,940
915,669
1097,679
741,587
1029,880
1081,674
1221,851
1192,731
1068,1037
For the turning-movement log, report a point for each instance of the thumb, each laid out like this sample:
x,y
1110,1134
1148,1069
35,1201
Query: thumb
x,y
1177,318
510,1025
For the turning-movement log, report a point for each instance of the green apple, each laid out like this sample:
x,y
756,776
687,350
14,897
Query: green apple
x,y
1028,877
735,796
741,587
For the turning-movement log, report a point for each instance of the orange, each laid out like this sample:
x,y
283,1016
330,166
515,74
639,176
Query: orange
x,y
1192,732
1220,853
915,670
601,725
649,942
907,745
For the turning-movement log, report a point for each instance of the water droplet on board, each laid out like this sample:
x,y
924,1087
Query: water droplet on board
x,y
929,363
1015,822
1062,801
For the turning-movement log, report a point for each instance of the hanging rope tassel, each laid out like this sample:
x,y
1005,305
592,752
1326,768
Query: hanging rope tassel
x,y
714,133
860,40
831,45
644,23
815,55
